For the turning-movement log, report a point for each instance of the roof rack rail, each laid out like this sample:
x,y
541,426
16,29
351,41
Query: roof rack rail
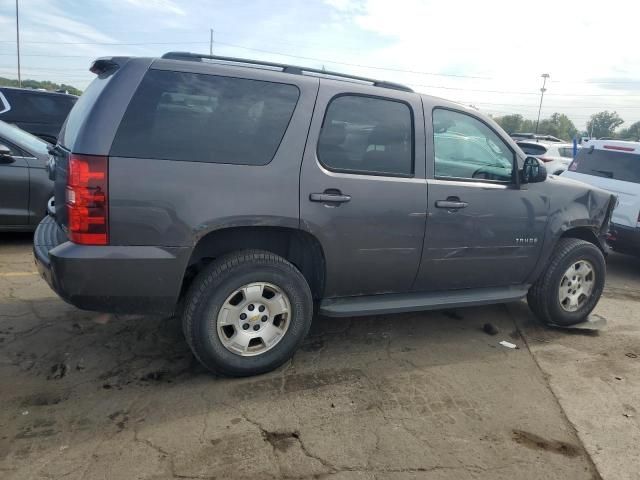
x,y
293,69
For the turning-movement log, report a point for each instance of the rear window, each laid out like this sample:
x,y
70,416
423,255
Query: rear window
x,y
607,164
532,148
205,118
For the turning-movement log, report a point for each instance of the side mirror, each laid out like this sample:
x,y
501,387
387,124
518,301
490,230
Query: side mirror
x,y
533,171
5,154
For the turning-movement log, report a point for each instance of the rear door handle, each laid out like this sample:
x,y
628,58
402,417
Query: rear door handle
x,y
451,204
329,197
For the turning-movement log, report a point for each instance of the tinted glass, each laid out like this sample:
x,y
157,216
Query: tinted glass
x,y
205,118
467,148
532,148
367,135
37,107
607,164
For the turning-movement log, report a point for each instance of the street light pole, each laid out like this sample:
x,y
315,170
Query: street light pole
x,y
211,41
18,44
542,90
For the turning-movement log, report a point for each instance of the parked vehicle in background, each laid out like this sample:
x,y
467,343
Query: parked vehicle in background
x,y
40,113
556,156
25,187
614,165
535,136
248,191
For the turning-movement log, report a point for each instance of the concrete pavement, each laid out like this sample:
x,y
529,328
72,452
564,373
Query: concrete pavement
x,y
426,395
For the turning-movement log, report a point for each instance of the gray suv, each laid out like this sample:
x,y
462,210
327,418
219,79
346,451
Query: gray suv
x,y
248,195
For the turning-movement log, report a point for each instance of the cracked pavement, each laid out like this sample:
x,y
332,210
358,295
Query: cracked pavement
x,y
414,396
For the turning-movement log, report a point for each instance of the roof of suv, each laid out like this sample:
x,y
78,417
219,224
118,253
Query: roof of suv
x,y
285,68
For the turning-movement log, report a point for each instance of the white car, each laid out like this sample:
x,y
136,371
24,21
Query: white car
x,y
614,165
556,156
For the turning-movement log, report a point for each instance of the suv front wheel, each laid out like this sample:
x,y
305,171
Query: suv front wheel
x,y
570,287
247,313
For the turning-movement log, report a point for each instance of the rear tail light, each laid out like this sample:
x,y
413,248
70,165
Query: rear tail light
x,y
87,199
545,159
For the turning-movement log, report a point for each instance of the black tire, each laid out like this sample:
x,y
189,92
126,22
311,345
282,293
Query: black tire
x,y
221,278
543,295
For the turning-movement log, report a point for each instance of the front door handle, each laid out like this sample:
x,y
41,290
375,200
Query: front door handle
x,y
451,204
329,197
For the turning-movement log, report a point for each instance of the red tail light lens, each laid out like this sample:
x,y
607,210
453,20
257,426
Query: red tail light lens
x,y
87,199
545,160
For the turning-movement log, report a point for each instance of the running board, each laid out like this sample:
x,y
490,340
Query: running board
x,y
412,302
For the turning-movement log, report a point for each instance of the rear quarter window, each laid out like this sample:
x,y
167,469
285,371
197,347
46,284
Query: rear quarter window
x,y
205,118
607,164
566,152
532,148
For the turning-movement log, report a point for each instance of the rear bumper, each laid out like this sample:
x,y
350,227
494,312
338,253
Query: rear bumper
x,y
116,279
624,239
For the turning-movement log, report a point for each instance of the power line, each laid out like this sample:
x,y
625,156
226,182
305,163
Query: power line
x,y
524,93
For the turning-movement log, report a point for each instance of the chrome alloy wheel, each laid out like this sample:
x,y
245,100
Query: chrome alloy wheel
x,y
253,319
576,285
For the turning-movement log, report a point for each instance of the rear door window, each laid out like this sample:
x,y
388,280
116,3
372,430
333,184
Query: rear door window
x,y
367,135
205,118
607,164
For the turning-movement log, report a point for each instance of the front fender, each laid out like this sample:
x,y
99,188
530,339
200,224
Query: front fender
x,y
576,210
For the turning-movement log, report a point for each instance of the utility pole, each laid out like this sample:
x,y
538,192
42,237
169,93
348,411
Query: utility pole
x,y
18,44
211,41
542,90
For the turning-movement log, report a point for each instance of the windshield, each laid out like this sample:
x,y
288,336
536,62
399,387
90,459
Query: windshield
x,y
23,139
607,164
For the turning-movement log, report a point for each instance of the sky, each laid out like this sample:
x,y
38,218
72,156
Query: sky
x,y
490,54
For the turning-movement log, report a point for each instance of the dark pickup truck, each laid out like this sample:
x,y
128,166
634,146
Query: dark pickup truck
x,y
244,194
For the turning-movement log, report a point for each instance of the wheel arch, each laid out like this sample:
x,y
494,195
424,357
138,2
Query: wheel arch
x,y
300,248
583,233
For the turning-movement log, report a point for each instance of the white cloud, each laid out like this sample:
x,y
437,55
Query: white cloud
x,y
512,44
158,6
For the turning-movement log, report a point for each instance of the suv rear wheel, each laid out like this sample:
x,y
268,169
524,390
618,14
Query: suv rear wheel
x,y
571,285
247,313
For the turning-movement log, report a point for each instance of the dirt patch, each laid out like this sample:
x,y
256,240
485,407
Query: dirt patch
x,y
43,399
535,442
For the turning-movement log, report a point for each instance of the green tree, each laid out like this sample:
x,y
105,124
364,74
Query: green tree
x,y
46,84
510,123
604,124
631,133
558,125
